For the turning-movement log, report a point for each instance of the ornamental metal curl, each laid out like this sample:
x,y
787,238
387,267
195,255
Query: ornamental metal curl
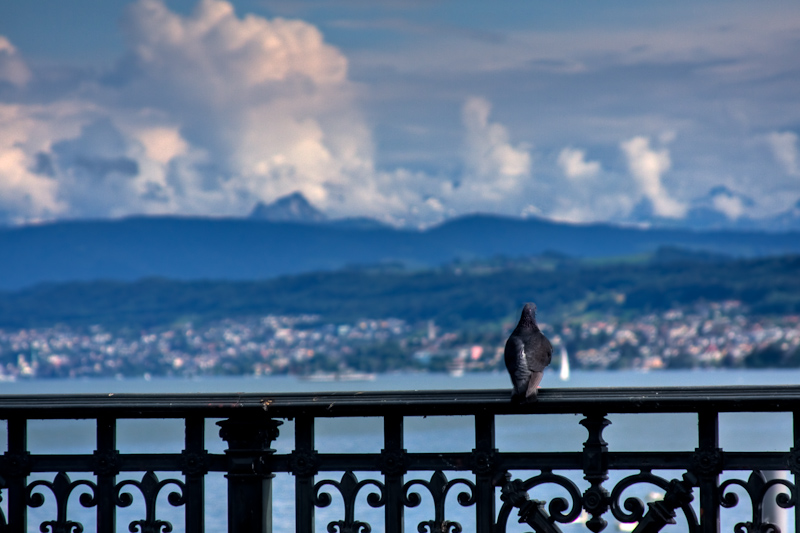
x,y
439,486
3,522
62,488
757,487
150,487
677,494
348,487
515,494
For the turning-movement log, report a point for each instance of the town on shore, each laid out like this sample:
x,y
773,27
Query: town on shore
x,y
709,335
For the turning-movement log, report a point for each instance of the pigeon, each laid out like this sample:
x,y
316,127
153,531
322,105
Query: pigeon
x,y
527,354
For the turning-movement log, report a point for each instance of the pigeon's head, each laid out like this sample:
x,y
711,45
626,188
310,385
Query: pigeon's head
x,y
528,318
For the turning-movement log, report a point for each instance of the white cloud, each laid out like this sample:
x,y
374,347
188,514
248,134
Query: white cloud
x,y
12,68
592,204
162,144
731,206
268,101
573,162
214,110
784,147
729,202
647,165
208,114
26,194
495,167
235,55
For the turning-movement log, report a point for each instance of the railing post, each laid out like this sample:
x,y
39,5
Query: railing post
x,y
706,465
394,468
304,468
194,469
106,469
17,460
595,470
249,474
484,468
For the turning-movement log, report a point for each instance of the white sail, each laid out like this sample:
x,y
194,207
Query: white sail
x,y
564,373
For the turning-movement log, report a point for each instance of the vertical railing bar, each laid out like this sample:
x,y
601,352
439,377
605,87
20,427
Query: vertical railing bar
x,y
195,473
596,499
304,471
18,480
794,465
708,437
106,469
394,471
484,472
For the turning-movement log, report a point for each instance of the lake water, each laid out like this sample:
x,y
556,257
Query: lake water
x,y
762,432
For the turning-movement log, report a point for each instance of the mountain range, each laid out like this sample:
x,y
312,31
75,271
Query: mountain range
x,y
262,246
721,208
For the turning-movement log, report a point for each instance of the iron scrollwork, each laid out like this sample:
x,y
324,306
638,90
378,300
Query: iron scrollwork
x,y
194,463
150,487
106,463
17,464
439,486
677,494
61,487
348,487
394,462
757,487
515,494
483,461
304,463
707,463
793,461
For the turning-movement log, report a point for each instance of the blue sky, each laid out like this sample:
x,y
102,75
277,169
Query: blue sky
x,y
410,112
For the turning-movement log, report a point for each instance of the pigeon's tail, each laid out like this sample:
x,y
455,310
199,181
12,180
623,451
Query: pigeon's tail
x,y
531,395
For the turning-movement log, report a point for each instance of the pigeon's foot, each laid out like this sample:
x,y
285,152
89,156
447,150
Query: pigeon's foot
x,y
533,398
517,398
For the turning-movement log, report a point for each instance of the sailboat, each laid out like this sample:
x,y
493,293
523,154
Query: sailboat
x,y
564,372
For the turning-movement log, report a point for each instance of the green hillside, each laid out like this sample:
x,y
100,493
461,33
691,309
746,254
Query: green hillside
x,y
457,295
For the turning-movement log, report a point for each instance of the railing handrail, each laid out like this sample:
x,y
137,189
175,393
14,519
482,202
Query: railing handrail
x,y
250,424
730,398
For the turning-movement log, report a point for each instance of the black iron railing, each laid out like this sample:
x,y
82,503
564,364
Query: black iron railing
x,y
486,479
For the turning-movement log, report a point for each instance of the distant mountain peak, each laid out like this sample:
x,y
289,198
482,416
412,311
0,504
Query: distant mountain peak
x,y
290,208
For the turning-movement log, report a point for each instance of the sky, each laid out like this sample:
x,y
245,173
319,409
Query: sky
x,y
410,112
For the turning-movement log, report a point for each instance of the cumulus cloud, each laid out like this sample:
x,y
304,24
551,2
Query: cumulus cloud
x,y
731,206
252,50
27,188
268,101
13,69
647,166
784,147
205,114
730,203
495,167
162,143
209,112
574,164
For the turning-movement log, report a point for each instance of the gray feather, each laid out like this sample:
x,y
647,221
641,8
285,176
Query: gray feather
x,y
527,354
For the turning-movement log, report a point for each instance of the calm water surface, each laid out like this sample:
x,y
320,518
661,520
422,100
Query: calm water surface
x,y
764,432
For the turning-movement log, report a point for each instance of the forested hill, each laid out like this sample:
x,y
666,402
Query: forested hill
x,y
455,296
239,249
